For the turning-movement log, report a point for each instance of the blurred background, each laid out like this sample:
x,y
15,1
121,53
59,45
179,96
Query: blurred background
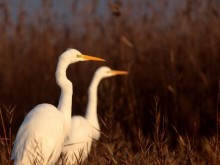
x,y
171,49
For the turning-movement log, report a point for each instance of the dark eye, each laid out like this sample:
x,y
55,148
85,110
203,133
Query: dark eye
x,y
78,55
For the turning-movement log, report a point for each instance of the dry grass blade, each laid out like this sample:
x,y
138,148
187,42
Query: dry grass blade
x,y
217,125
6,117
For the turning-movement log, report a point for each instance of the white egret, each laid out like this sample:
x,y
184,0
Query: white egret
x,y
85,129
41,136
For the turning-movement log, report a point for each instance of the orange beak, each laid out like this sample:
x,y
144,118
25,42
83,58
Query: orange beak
x,y
91,58
119,72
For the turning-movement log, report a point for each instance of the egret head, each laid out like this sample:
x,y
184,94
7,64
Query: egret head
x,y
105,71
73,55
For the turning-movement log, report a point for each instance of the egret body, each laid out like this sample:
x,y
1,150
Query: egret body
x,y
41,135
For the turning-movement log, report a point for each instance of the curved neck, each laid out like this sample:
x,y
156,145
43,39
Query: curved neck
x,y
65,101
91,111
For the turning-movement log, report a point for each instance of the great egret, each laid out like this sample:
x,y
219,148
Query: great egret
x,y
41,136
85,129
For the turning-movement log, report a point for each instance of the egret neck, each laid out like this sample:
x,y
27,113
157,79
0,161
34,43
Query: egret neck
x,y
65,101
91,112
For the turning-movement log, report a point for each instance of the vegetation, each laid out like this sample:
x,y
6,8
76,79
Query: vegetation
x,y
164,112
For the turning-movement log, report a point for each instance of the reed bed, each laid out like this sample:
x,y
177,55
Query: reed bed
x,y
164,112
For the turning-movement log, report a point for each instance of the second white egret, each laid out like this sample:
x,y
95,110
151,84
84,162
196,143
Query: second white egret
x,y
85,129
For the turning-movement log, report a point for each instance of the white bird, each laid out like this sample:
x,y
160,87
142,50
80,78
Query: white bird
x,y
85,129
41,136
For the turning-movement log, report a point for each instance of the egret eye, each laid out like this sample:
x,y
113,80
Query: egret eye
x,y
78,55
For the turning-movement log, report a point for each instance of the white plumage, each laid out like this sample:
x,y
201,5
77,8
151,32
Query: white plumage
x,y
85,129
41,136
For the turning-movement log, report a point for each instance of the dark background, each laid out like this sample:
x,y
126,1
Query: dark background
x,y
170,48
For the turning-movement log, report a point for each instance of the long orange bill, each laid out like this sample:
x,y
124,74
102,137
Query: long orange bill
x,y
91,58
119,72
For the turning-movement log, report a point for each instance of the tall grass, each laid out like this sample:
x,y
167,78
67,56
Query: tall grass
x,y
6,117
171,52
